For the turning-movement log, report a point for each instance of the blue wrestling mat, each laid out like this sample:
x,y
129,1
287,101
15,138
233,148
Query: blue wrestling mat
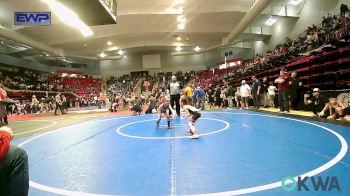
x,y
239,152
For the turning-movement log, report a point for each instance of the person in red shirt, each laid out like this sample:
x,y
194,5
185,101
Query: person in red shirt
x,y
100,101
14,178
283,87
3,98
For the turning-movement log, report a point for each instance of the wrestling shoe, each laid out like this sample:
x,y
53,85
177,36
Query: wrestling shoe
x,y
194,136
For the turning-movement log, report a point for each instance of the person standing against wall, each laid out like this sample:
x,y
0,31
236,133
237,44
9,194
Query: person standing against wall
x,y
293,90
230,95
245,93
256,87
264,92
210,94
199,95
283,87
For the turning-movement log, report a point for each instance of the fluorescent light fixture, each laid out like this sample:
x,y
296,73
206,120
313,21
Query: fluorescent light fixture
x,y
197,48
271,21
68,17
102,55
120,52
178,38
181,18
294,2
181,26
178,48
109,43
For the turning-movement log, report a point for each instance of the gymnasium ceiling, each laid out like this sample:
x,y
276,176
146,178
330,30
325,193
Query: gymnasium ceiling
x,y
144,25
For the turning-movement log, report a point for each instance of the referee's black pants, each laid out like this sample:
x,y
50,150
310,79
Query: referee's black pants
x,y
175,100
58,106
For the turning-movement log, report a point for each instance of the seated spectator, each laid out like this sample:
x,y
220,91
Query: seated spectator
x,y
14,178
319,104
152,105
346,104
336,109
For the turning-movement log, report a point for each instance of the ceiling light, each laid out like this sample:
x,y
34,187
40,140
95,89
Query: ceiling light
x,y
181,26
294,2
68,17
181,18
102,55
179,1
197,48
271,21
120,52
109,43
180,10
113,48
178,38
178,48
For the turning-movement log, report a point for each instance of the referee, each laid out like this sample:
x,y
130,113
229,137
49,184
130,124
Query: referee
x,y
174,90
59,103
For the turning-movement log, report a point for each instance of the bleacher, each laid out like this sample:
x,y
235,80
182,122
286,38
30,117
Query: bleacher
x,y
322,63
85,87
325,70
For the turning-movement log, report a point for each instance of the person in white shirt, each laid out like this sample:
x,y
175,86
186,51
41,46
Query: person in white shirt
x,y
35,105
174,89
271,90
245,93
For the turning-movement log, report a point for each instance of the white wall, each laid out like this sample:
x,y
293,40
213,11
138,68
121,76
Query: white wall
x,y
279,31
169,63
312,13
